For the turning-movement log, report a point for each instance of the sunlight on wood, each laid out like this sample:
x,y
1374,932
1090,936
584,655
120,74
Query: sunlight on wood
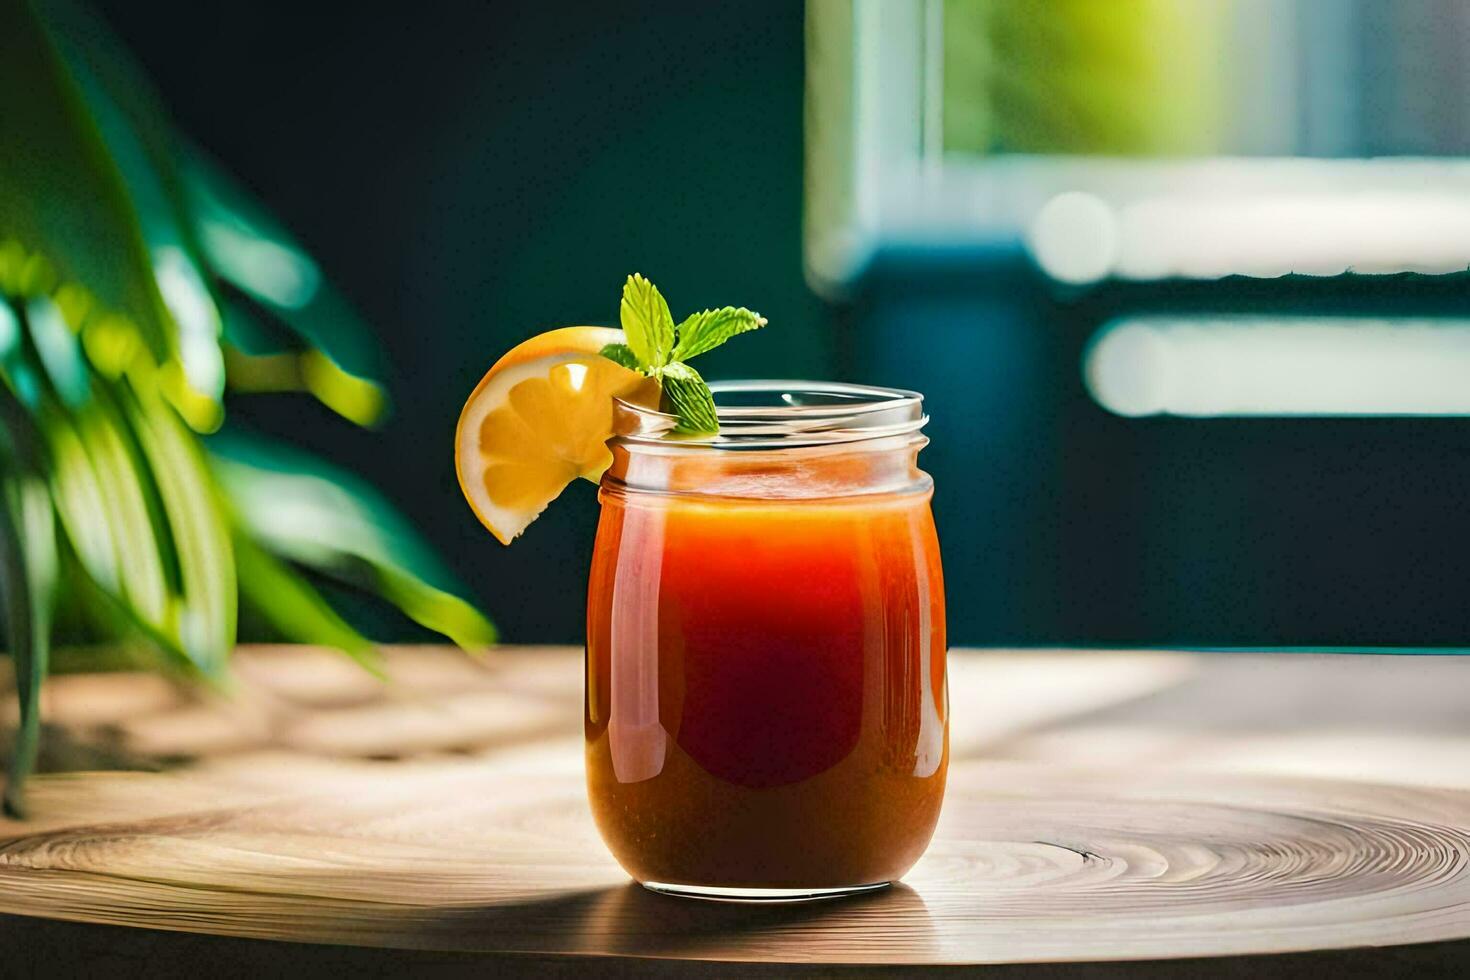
x,y
1101,805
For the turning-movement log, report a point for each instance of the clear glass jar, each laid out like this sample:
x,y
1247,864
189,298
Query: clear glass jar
x,y
766,702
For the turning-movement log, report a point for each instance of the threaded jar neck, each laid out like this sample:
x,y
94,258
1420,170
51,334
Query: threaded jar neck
x,y
777,440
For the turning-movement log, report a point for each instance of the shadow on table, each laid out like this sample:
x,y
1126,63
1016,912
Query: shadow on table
x,y
629,920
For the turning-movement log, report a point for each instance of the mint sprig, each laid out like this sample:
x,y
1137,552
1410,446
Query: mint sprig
x,y
647,322
690,398
705,331
659,349
623,354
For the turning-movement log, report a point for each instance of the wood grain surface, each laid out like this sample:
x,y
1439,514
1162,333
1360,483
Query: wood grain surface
x,y
1102,806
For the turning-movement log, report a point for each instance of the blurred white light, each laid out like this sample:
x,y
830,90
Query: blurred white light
x,y
264,268
193,309
1081,238
1278,234
1223,366
1075,238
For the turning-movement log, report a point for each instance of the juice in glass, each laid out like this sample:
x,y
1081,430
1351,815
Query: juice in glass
x,y
766,703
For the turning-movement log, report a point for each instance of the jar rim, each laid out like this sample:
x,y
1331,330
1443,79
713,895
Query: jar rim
x,y
774,414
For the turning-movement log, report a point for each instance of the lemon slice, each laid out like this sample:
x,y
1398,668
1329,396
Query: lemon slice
x,y
540,418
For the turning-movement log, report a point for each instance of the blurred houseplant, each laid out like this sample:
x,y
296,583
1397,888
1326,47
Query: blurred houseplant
x,y
137,286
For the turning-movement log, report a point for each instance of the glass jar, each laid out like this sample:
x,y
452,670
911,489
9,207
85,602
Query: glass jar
x,y
766,702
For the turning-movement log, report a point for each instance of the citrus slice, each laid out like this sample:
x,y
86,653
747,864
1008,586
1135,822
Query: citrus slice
x,y
540,418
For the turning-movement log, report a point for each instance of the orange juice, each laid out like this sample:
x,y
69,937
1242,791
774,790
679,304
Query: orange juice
x,y
766,697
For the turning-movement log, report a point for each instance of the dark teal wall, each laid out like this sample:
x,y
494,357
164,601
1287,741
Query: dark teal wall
x,y
474,173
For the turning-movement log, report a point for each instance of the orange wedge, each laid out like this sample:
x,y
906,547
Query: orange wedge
x,y
540,418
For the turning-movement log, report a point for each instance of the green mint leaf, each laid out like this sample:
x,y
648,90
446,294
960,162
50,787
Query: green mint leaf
x,y
690,398
647,322
623,354
708,330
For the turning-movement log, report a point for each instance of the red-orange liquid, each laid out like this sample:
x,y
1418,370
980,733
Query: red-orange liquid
x,y
766,700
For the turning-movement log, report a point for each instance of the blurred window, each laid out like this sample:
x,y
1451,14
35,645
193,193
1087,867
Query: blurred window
x,y
1338,124
1156,141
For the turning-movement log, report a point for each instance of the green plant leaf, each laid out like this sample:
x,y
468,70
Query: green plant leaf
x,y
129,511
690,398
16,371
647,322
198,223
28,577
102,516
435,608
61,194
102,495
705,331
623,354
249,249
81,502
197,529
250,334
289,603
139,139
59,351
309,512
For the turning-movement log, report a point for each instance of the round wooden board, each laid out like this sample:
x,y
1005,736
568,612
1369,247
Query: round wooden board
x,y
1035,861
1031,864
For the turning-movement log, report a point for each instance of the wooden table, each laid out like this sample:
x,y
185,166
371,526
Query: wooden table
x,y
1103,806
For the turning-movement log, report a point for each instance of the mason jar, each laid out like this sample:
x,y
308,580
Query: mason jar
x,y
766,700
